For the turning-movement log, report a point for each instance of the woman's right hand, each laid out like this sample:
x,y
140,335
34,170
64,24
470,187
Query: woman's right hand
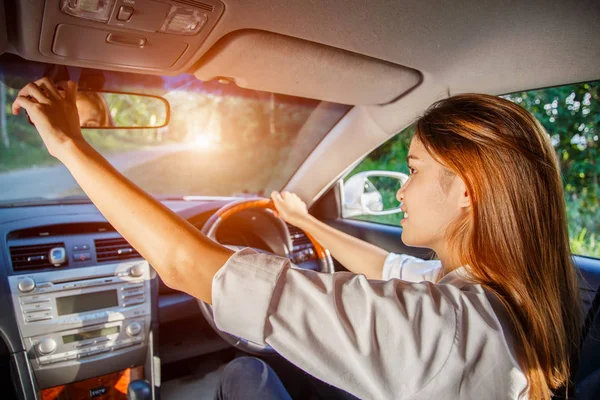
x,y
52,110
290,208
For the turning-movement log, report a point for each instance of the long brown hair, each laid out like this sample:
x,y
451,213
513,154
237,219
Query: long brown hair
x,y
514,238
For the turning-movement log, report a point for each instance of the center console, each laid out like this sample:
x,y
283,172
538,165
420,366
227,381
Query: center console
x,y
80,323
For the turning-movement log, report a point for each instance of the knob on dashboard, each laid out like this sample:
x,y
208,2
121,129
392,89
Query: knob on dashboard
x,y
133,329
136,270
46,346
26,285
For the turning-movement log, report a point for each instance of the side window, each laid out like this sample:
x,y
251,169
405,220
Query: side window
x,y
571,116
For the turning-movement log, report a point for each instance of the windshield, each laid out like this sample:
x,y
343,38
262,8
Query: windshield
x,y
221,140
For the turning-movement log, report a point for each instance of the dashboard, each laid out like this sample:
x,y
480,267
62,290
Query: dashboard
x,y
80,302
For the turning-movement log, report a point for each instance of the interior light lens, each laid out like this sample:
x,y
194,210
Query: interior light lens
x,y
97,10
184,21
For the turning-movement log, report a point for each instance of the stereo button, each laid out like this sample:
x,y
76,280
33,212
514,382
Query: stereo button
x,y
34,300
34,318
36,309
83,344
131,293
133,301
133,286
137,270
99,351
46,346
82,256
26,285
133,329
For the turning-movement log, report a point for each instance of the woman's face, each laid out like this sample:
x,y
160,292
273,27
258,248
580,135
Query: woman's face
x,y
89,114
432,198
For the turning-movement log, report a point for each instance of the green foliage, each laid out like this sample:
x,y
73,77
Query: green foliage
x,y
25,147
390,156
20,155
134,110
571,116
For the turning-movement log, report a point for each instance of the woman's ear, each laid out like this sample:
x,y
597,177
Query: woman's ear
x,y
464,200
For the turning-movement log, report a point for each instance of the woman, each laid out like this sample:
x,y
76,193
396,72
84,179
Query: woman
x,y
497,317
93,110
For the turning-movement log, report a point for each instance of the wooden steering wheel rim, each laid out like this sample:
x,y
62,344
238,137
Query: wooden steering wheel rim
x,y
267,203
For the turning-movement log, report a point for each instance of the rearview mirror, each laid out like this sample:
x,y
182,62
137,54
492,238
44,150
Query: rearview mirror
x,y
117,110
372,193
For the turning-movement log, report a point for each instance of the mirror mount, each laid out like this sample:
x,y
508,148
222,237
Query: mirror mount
x,y
91,80
56,73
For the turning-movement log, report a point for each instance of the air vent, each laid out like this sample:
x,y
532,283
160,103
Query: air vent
x,y
197,4
299,238
32,257
302,248
114,249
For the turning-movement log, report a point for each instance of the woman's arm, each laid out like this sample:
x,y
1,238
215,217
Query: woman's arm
x,y
375,339
183,257
356,255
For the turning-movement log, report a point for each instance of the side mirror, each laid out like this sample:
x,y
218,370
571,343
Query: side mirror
x,y
116,110
372,193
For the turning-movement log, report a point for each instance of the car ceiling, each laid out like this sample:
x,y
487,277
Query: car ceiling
x,y
425,49
491,46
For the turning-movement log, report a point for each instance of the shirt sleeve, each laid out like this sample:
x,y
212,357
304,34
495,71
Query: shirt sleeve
x,y
409,268
375,339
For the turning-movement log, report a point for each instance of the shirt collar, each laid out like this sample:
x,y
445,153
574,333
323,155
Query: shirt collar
x,y
458,275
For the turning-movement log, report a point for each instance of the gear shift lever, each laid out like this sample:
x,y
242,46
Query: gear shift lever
x,y
139,390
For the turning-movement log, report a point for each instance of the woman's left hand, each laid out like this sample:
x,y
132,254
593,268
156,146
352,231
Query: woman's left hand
x,y
52,111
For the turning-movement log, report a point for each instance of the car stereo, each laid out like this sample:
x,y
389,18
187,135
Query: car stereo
x,y
82,315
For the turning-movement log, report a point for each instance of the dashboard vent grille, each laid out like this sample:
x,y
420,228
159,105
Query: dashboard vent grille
x,y
299,238
114,249
302,248
198,4
32,257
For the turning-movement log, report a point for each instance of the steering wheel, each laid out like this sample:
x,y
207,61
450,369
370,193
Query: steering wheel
x,y
210,230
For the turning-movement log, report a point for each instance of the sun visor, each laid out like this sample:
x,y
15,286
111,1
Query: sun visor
x,y
281,64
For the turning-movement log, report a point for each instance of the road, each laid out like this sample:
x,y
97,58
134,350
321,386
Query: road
x,y
56,180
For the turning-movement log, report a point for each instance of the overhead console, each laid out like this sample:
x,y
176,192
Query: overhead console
x,y
144,34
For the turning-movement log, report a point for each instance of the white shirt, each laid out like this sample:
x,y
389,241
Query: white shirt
x,y
397,338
